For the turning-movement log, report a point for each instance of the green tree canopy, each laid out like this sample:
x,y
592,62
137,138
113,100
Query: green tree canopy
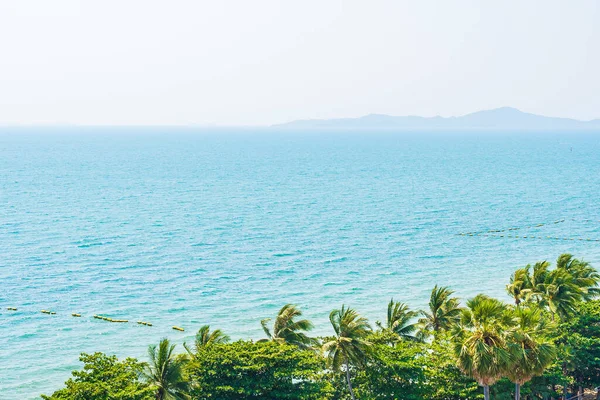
x,y
263,370
581,336
105,377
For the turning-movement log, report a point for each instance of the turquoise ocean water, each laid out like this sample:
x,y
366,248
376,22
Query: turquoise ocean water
x,y
183,227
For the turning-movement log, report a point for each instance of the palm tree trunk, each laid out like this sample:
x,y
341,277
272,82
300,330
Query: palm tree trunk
x,y
517,391
580,393
486,392
564,391
348,380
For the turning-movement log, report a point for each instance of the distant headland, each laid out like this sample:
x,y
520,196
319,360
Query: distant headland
x,y
506,118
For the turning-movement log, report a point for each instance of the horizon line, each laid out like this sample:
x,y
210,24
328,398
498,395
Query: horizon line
x,y
281,124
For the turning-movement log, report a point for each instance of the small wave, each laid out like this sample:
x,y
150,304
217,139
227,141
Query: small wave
x,y
431,257
336,260
265,264
86,245
27,336
333,284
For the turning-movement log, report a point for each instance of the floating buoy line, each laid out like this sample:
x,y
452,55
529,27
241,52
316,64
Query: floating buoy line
x,y
531,237
500,233
101,317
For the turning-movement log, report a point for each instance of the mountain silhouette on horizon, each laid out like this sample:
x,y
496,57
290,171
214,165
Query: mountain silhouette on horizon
x,y
498,118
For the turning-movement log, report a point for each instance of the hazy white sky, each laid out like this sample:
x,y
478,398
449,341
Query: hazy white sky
x,y
262,62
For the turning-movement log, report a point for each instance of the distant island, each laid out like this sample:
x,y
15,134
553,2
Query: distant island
x,y
506,118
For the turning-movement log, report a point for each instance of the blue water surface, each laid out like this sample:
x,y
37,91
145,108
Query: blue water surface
x,y
190,227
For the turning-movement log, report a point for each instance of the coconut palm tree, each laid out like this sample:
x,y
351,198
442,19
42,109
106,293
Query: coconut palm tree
x,y
398,321
520,281
561,288
205,337
165,372
560,294
444,311
349,347
584,275
479,341
287,329
531,353
537,278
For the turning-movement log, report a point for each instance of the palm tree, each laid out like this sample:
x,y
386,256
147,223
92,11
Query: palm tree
x,y
520,281
349,347
561,288
165,372
480,345
205,337
537,281
398,321
444,311
286,329
531,353
561,294
584,275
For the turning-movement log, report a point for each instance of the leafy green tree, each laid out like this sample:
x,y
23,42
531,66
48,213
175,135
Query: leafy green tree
x,y
399,321
444,311
349,347
165,372
580,335
393,372
205,337
288,329
480,344
443,379
257,370
105,377
531,353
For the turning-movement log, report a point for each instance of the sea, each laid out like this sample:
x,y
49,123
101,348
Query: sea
x,y
186,227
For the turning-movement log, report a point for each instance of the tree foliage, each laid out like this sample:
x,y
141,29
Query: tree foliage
x,y
105,378
399,322
581,337
444,311
165,372
545,345
263,370
287,328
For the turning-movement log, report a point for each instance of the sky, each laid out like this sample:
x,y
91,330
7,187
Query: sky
x,y
176,62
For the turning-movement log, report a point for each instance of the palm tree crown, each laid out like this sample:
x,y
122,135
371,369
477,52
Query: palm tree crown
x,y
398,320
519,283
205,337
287,329
444,310
560,289
584,275
165,372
